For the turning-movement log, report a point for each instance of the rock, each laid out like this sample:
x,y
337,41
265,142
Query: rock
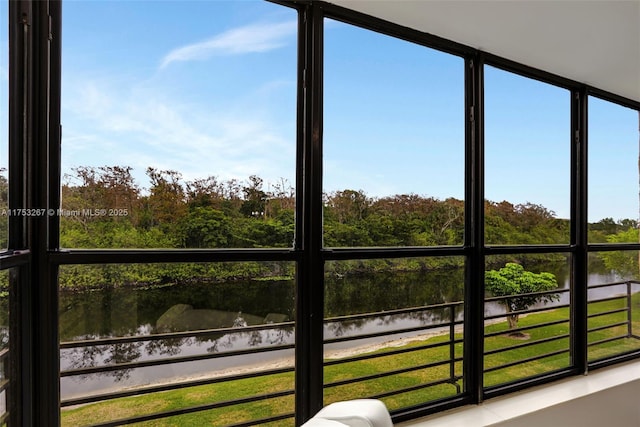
x,y
183,317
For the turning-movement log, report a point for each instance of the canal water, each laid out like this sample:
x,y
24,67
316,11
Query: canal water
x,y
130,311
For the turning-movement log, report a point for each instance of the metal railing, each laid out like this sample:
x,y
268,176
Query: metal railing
x,y
448,328
521,330
447,325
93,398
628,309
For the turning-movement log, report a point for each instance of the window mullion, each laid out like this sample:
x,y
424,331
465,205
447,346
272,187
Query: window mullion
x,y
474,230
310,282
579,225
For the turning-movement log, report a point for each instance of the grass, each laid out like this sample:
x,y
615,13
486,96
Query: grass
x,y
532,368
193,396
220,392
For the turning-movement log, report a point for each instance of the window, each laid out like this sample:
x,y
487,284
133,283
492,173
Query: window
x,y
271,206
393,178
614,290
613,220
180,132
527,160
4,124
613,173
222,333
394,328
393,142
5,369
527,316
179,125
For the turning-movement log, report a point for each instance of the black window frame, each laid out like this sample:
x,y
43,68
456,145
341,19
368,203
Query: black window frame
x,y
34,178
603,247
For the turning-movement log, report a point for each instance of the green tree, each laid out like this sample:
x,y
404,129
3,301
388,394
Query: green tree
x,y
204,227
165,205
254,198
348,206
514,282
87,192
623,263
600,232
204,192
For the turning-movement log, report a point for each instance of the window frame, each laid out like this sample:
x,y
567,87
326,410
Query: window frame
x,y
35,182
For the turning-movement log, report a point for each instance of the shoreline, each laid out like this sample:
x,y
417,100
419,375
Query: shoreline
x,y
285,362
280,363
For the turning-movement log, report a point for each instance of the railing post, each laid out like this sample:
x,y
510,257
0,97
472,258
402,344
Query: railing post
x,y
452,347
452,337
629,312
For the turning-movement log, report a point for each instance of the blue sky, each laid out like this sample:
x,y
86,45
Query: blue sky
x,y
209,88
204,88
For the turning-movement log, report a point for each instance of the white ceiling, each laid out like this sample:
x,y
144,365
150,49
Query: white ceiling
x,y
596,42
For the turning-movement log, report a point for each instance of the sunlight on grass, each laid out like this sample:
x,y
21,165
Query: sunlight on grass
x,y
192,396
623,345
335,373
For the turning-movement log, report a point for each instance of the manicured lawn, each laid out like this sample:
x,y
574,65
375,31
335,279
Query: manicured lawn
x,y
193,396
188,397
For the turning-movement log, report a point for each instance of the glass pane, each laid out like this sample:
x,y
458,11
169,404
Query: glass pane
x,y
393,141
527,160
614,303
613,172
130,327
417,304
4,121
5,277
526,335
179,124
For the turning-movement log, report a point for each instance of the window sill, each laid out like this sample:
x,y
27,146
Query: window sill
x,y
607,396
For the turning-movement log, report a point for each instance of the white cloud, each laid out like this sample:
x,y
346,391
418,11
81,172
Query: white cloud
x,y
248,39
104,126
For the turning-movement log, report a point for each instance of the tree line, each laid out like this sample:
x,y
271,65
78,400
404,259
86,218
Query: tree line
x,y
213,213
104,207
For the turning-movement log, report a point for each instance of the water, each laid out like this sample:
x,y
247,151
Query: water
x,y
130,311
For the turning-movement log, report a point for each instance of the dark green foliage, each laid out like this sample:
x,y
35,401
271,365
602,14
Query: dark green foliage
x,y
209,213
205,227
623,263
527,223
604,231
513,279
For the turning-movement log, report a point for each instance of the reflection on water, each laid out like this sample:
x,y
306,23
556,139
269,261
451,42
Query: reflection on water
x,y
84,357
126,312
129,312
150,350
